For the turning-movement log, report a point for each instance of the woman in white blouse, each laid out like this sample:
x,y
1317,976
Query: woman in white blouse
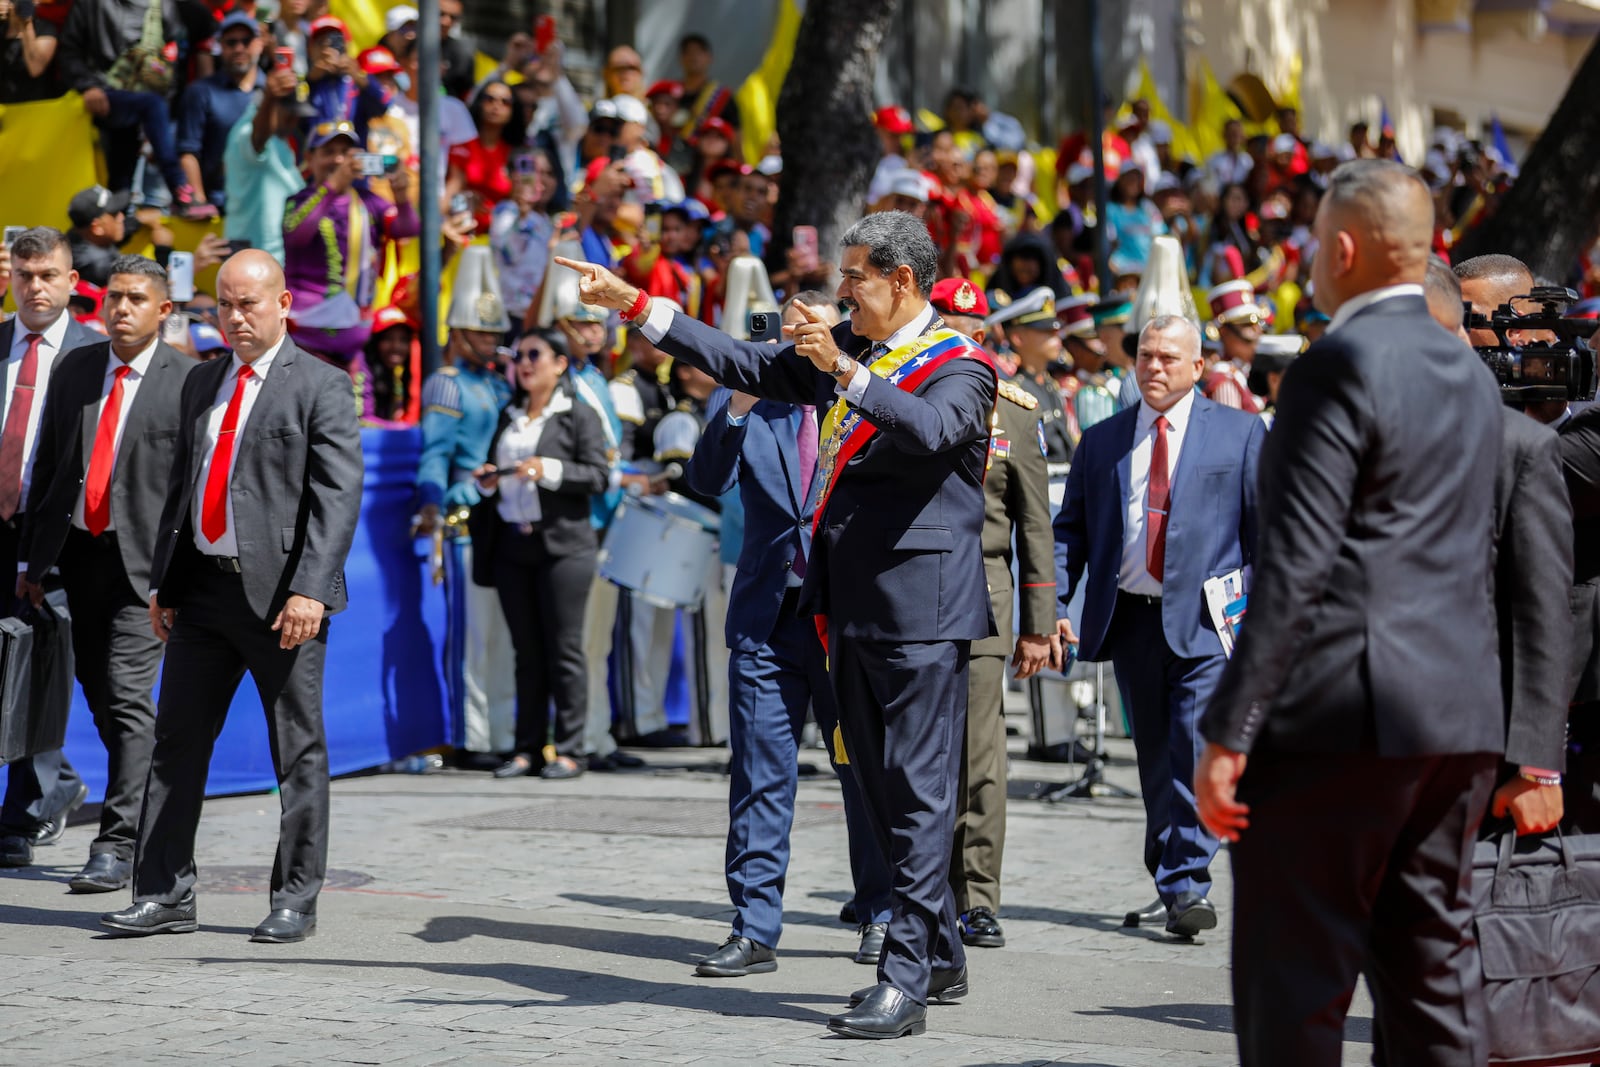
x,y
534,543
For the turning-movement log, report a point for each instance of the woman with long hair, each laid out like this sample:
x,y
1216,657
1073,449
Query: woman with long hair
x,y
534,543
480,167
1231,246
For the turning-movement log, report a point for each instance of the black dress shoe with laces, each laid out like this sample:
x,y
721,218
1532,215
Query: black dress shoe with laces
x,y
872,936
50,831
285,926
16,850
1152,913
152,917
104,873
980,928
738,957
944,987
1191,914
884,1013
847,913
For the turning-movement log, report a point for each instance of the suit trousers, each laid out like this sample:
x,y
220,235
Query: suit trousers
x,y
215,640
1165,695
903,710
980,836
117,657
1359,864
543,597
38,788
769,690
488,671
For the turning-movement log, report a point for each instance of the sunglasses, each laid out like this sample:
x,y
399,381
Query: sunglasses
x,y
606,127
504,101
531,355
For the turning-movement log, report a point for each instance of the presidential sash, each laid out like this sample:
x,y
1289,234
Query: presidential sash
x,y
846,432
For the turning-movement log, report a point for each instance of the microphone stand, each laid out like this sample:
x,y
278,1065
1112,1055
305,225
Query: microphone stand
x,y
1092,782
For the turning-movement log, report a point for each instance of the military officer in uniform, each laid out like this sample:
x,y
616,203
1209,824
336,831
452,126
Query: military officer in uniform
x,y
1015,498
641,393
1030,331
460,407
1095,399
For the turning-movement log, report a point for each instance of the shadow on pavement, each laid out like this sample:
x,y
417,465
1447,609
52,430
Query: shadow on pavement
x,y
449,928
700,909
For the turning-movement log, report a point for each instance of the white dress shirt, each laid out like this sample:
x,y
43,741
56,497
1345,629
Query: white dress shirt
x,y
1135,577
138,367
228,543
1357,304
1229,168
519,497
49,351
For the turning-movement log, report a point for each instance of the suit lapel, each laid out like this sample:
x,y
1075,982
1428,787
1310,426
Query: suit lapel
x,y
1194,442
215,373
155,376
274,388
1125,463
87,399
786,430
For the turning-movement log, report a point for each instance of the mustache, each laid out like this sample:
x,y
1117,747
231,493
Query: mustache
x,y
850,305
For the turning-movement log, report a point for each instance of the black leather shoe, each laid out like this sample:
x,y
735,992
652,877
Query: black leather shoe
x,y
847,913
564,767
50,831
872,935
150,917
285,927
979,927
1152,913
626,761
738,957
104,873
518,766
944,987
1191,914
476,761
884,1013
16,850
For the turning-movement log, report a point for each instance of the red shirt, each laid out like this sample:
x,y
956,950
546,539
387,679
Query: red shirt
x,y
483,171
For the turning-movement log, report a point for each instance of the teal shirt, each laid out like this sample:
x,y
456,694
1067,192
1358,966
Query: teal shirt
x,y
460,409
258,187
591,387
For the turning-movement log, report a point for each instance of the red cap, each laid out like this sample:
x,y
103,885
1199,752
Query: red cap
x,y
892,119
378,60
596,167
718,126
387,318
329,24
957,296
665,88
724,166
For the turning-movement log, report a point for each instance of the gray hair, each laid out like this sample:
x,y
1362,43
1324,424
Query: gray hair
x,y
1443,289
1507,270
39,242
894,239
143,267
1179,323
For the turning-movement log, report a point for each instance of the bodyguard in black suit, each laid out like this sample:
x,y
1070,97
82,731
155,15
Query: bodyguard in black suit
x,y
99,480
1364,690
896,566
41,792
261,507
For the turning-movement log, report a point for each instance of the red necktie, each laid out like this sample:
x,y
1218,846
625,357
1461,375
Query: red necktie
x,y
1157,498
15,436
97,489
214,505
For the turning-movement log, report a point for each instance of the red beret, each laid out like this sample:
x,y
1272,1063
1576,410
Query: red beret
x,y
957,296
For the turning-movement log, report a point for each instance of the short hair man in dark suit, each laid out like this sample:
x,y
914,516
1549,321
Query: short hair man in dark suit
x,y
42,790
896,562
99,480
1364,690
261,508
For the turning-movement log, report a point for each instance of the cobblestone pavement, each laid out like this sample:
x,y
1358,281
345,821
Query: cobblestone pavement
x,y
475,921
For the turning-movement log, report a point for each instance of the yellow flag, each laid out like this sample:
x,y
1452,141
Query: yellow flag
x,y
758,96
1184,145
1210,110
46,157
363,17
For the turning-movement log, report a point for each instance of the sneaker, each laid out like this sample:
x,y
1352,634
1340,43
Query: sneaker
x,y
186,205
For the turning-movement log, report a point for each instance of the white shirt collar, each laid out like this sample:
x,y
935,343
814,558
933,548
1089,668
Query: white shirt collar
x,y
1177,415
911,330
262,364
54,334
1357,304
560,401
139,365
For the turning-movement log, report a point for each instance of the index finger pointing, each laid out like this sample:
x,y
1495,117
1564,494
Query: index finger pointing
x,y
580,267
812,314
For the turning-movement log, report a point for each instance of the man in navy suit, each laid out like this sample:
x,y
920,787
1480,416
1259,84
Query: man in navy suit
x,y
896,562
42,791
1160,498
776,670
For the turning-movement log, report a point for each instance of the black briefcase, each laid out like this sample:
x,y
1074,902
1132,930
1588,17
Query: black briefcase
x,y
1537,911
36,670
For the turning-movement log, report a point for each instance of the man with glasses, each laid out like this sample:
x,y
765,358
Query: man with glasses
x,y
624,72
211,106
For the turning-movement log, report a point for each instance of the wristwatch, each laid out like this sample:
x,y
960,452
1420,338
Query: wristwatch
x,y
843,367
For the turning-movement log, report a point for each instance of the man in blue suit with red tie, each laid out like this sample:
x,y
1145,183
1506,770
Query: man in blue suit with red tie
x,y
896,563
1161,497
776,670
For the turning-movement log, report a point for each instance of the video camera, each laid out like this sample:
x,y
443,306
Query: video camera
x,y
1562,369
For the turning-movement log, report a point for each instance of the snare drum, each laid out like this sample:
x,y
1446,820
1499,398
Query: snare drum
x,y
660,547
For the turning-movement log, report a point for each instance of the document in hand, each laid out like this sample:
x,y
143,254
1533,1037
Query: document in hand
x,y
1226,601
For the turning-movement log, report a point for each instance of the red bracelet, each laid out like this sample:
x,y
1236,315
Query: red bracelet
x,y
633,313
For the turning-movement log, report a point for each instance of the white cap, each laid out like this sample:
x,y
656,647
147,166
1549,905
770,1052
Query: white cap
x,y
397,17
909,182
1323,150
1079,172
1284,142
630,109
1166,183
603,109
1160,132
771,166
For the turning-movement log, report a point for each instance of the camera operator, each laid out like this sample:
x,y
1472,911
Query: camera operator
x,y
1493,281
1532,571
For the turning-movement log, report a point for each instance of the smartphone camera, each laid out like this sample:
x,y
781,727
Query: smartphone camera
x,y
460,205
764,326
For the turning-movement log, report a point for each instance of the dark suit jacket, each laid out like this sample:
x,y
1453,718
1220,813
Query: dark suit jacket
x,y
1532,583
77,336
1371,624
901,553
573,436
762,458
296,484
1212,529
144,459
1580,463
